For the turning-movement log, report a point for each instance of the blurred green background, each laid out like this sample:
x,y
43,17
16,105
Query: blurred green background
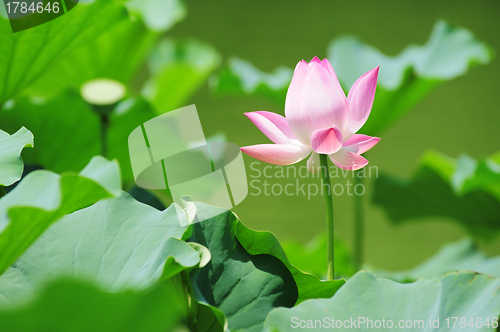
x,y
460,116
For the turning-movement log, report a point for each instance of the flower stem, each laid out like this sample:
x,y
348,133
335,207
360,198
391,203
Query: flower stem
x,y
327,192
359,219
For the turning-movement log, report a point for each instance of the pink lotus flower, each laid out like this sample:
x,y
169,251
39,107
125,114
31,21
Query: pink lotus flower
x,y
319,119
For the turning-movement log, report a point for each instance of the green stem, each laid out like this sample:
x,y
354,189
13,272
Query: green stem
x,y
327,192
2,191
104,119
359,220
190,300
103,112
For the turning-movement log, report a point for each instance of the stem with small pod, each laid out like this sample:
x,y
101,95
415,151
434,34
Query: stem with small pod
x,y
103,95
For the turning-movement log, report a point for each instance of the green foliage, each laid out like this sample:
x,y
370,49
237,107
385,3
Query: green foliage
x,y
241,258
66,141
463,294
309,285
465,190
70,306
134,251
117,244
117,53
11,146
43,197
458,256
25,55
243,286
403,79
99,58
208,319
180,67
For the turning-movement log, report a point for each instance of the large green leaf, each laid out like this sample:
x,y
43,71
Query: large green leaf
x,y
465,190
74,307
209,319
472,296
11,163
461,255
67,131
309,285
147,197
117,244
178,68
25,55
43,197
116,53
406,78
403,79
243,286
